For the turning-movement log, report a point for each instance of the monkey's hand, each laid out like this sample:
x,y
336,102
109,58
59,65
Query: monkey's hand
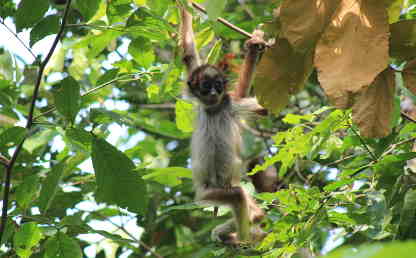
x,y
256,44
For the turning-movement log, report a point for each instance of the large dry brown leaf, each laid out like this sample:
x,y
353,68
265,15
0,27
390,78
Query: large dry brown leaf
x,y
403,40
374,105
353,49
281,72
303,21
409,76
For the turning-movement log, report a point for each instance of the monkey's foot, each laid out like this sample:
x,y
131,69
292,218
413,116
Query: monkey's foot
x,y
240,248
256,215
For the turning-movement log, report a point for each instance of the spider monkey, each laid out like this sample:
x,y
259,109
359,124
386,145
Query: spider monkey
x,y
216,141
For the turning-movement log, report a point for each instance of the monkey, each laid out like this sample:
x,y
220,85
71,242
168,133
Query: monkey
x,y
216,141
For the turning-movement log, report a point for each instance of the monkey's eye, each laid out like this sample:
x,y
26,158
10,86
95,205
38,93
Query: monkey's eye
x,y
218,86
205,88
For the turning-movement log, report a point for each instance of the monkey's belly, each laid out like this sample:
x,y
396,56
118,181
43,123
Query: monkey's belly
x,y
216,172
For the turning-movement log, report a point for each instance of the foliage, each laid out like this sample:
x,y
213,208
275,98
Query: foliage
x,y
102,170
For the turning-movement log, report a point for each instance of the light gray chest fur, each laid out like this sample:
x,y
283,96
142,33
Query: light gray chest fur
x,y
216,144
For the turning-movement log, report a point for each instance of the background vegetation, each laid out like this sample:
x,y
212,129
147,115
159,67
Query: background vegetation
x,y
94,135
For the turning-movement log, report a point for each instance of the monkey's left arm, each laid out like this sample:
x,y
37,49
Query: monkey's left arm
x,y
255,47
187,41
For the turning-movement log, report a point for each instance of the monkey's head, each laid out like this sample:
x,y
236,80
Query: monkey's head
x,y
208,84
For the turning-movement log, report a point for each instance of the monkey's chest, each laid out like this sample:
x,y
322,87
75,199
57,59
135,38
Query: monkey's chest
x,y
216,153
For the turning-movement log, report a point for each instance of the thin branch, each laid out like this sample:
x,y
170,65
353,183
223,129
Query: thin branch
x,y
224,21
373,156
19,39
394,146
7,179
336,162
4,161
406,116
157,106
147,247
85,94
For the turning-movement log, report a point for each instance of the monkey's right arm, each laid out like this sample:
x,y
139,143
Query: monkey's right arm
x,y
187,41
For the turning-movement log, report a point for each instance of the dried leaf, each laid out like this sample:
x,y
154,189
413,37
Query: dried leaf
x,y
281,72
374,106
303,28
403,40
409,76
353,49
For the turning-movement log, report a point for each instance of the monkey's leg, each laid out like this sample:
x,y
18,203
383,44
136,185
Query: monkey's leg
x,y
256,213
238,200
223,232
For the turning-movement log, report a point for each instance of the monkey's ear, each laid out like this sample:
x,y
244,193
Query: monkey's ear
x,y
226,63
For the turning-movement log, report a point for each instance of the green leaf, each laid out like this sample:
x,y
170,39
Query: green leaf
x,y
9,231
393,160
335,185
117,182
30,12
88,8
27,237
7,8
62,246
79,63
101,41
171,176
117,11
12,136
296,119
203,37
68,98
107,76
79,137
47,26
407,215
27,190
142,23
153,92
378,250
185,116
50,186
142,51
215,8
39,140
102,116
214,53
140,2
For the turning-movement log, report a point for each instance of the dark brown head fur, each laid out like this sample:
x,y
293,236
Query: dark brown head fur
x,y
208,84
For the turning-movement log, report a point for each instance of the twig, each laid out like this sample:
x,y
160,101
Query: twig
x,y
394,146
19,39
157,106
147,247
403,114
342,159
224,21
7,179
83,95
373,156
4,161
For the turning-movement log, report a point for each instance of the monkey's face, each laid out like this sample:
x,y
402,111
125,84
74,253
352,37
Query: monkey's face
x,y
208,85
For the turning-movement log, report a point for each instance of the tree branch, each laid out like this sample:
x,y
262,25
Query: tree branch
x,y
4,161
224,21
7,179
19,39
